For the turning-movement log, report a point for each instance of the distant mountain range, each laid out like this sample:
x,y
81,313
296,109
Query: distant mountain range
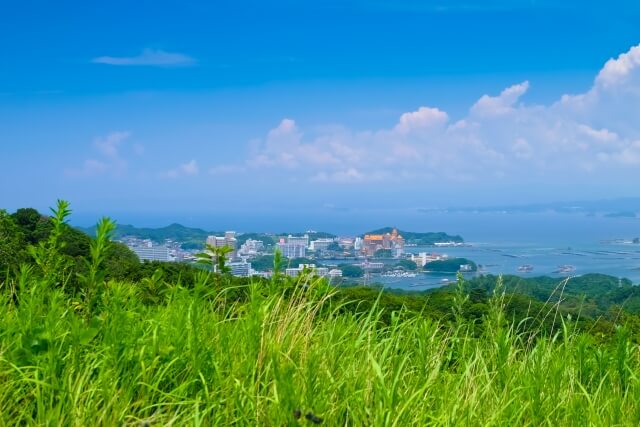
x,y
621,207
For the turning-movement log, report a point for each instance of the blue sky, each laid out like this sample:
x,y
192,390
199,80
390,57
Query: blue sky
x,y
248,107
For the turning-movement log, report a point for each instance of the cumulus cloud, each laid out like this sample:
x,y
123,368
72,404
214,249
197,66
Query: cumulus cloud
x,y
424,117
189,168
501,138
618,71
490,106
108,159
148,57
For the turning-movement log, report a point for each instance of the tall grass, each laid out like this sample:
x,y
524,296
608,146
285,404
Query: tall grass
x,y
288,355
198,359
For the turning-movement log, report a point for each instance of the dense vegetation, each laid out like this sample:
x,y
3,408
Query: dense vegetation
x,y
350,270
420,238
186,346
451,265
190,237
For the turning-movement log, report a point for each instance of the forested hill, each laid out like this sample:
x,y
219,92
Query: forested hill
x,y
428,238
175,232
181,233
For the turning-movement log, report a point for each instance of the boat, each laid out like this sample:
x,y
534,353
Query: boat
x,y
397,273
565,269
525,268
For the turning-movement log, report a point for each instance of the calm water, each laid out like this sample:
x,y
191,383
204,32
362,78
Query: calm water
x,y
502,242
620,260
499,241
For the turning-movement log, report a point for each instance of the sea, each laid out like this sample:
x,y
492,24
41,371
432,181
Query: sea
x,y
499,241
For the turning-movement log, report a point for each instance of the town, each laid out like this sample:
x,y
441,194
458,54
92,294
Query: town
x,y
323,254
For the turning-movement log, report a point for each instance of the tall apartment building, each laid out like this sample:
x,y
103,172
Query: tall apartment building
x,y
229,239
292,250
299,240
149,252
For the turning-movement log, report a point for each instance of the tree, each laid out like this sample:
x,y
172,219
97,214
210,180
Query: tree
x,y
11,243
451,265
383,253
31,222
120,262
350,270
334,246
262,263
407,264
215,256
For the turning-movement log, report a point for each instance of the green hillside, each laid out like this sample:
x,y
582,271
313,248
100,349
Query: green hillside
x,y
83,341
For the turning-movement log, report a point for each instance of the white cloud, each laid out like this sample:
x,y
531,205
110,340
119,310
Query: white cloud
x,y
185,169
488,106
617,71
148,57
501,139
603,135
522,149
425,117
109,159
109,145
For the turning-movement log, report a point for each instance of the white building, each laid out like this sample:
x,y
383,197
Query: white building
x,y
372,265
292,250
335,273
423,258
357,243
320,245
251,247
346,242
240,269
298,240
317,271
148,252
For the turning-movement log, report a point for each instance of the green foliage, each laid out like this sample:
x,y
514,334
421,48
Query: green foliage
x,y
335,247
163,354
120,262
451,265
92,282
174,345
262,263
47,254
12,243
278,263
407,264
176,232
34,226
215,257
383,253
350,270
